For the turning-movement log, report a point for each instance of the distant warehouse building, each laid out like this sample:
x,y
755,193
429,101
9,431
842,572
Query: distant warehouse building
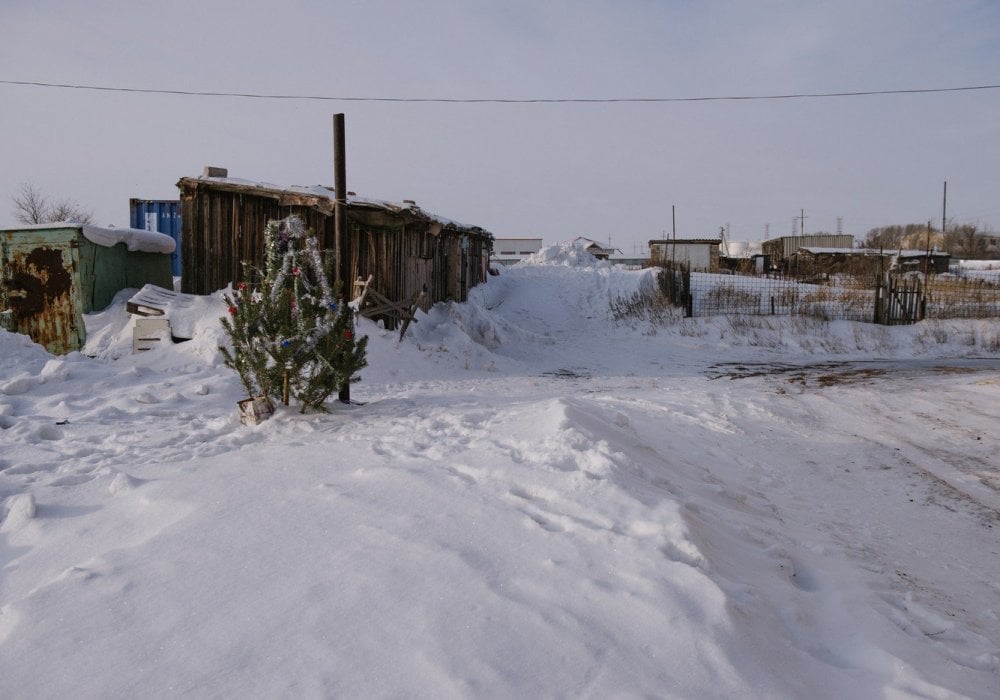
x,y
508,251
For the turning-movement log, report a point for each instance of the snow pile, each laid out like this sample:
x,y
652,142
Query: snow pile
x,y
537,497
568,254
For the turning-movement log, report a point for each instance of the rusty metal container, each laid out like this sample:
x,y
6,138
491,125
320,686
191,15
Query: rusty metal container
x,y
53,274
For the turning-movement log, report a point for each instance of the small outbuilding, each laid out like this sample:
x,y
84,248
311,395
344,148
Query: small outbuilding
x,y
928,261
52,274
701,254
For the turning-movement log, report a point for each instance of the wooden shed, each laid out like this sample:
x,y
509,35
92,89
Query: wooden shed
x,y
931,261
405,249
782,248
859,262
52,274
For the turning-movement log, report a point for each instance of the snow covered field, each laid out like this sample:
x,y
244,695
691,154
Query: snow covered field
x,y
534,500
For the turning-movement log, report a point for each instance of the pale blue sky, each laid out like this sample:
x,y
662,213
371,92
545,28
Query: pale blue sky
x,y
550,170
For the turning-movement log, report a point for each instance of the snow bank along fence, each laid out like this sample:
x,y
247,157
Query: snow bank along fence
x,y
887,299
406,251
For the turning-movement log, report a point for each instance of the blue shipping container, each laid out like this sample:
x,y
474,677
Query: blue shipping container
x,y
163,215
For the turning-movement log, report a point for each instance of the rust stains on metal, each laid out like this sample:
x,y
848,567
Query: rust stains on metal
x,y
39,278
40,292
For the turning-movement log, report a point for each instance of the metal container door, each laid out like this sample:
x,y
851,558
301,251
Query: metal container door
x,y
42,290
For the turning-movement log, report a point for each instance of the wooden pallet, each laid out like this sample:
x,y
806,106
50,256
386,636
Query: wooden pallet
x,y
371,303
157,301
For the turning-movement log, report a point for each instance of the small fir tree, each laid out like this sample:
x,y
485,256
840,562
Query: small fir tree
x,y
290,336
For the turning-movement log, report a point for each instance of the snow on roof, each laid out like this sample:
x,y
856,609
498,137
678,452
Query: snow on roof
x,y
323,192
686,241
922,253
816,250
819,250
135,239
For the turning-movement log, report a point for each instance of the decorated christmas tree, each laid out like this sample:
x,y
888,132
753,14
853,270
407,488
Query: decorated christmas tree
x,y
291,338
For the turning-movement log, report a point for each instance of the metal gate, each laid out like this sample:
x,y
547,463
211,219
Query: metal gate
x,y
899,301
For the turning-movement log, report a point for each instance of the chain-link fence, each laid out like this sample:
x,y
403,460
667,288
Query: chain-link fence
x,y
884,299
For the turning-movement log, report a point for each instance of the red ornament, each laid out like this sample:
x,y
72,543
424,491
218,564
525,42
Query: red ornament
x,y
296,271
241,286
232,310
348,334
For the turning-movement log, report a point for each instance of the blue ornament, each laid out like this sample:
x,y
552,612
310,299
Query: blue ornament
x,y
285,343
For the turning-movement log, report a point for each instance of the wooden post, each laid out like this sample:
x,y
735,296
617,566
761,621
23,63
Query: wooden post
x,y
343,239
342,242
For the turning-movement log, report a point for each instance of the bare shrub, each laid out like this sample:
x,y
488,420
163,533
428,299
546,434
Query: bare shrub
x,y
642,308
690,328
787,297
932,332
731,299
33,207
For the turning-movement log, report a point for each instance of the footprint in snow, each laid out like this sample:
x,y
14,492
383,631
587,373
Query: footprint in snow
x,y
46,433
16,511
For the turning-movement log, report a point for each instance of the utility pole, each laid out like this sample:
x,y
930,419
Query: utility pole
x,y
927,255
944,208
802,222
343,241
673,220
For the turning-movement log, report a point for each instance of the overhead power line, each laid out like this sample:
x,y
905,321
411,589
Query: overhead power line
x,y
499,100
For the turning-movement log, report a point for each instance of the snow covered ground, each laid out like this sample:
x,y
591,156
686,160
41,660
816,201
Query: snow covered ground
x,y
536,499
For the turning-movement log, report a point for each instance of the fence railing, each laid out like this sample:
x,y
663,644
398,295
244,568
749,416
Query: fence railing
x,y
887,299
